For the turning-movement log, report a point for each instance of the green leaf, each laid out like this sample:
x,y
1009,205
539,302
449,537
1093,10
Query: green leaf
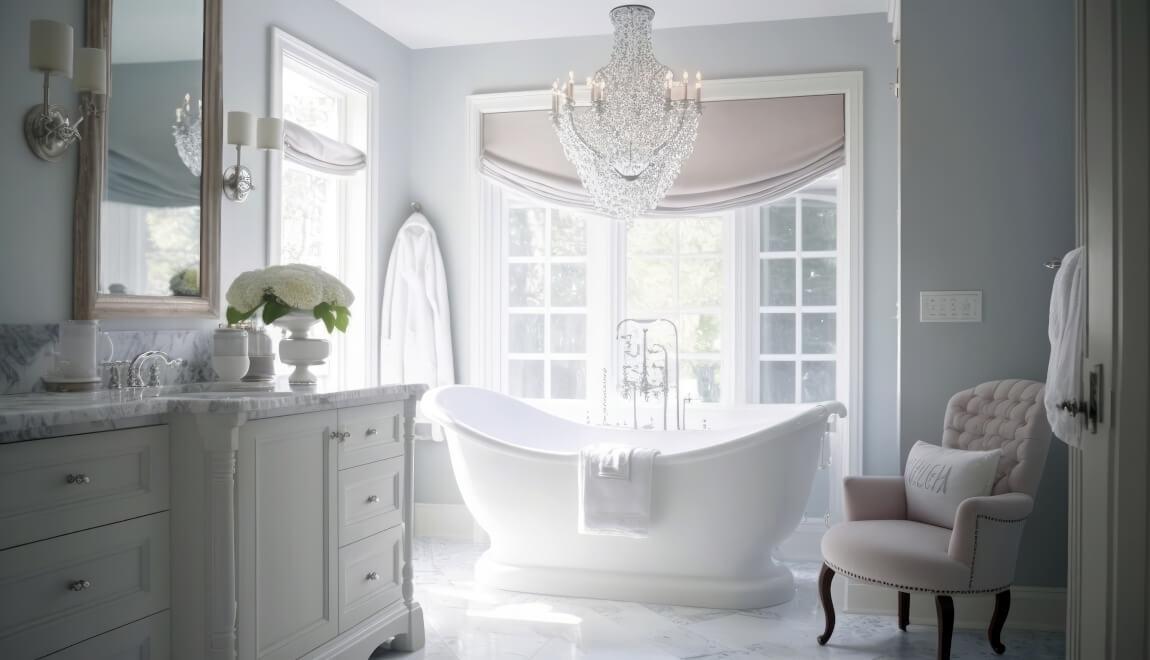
x,y
274,309
321,310
329,320
235,316
342,318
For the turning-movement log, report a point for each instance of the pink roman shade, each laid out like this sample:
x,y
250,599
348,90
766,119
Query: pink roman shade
x,y
748,152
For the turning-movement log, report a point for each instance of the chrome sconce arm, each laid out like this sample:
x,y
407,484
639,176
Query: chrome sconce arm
x,y
238,180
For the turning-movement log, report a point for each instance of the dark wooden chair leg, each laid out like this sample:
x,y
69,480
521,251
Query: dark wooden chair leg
x,y
998,620
903,610
825,576
945,607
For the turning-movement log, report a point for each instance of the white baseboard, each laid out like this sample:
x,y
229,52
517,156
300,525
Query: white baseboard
x,y
452,521
1033,608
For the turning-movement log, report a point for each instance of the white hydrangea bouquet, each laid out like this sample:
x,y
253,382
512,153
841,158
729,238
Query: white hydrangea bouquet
x,y
281,290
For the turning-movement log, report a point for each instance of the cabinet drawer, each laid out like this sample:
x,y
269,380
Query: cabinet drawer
x,y
146,639
370,499
373,433
61,485
370,575
64,590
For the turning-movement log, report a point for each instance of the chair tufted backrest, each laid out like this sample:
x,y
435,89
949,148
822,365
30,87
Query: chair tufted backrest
x,y
1004,414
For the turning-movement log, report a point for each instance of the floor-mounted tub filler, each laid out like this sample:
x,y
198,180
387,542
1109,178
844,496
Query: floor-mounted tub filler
x,y
721,500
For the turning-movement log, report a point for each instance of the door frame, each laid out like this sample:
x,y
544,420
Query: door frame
x,y
1108,576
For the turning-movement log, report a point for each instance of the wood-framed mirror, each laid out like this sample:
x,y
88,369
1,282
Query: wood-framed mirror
x,y
147,216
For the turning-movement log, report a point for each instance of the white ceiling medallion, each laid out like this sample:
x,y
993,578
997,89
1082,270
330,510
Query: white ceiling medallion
x,y
629,142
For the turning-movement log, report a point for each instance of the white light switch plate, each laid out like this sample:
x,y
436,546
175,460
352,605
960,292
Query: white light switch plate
x,y
950,306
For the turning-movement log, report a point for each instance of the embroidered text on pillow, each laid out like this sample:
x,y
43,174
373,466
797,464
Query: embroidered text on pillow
x,y
926,475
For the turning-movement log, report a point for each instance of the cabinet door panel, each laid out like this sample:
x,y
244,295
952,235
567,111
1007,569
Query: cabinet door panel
x,y
293,470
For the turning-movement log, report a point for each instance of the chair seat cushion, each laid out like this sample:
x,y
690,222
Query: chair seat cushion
x,y
907,555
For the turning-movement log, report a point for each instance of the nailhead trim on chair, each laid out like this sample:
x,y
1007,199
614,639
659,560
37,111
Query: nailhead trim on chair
x,y
904,587
974,553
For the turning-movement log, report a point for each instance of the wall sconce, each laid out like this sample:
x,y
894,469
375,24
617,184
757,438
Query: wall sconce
x,y
47,128
268,133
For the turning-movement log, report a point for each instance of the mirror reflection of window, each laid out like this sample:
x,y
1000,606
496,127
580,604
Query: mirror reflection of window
x,y
150,219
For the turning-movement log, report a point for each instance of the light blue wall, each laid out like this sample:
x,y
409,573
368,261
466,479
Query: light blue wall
x,y
442,77
36,198
987,192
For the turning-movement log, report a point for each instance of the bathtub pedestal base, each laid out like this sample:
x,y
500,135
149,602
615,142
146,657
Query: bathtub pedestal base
x,y
774,587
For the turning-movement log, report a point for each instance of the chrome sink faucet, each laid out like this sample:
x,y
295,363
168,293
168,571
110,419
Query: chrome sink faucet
x,y
150,360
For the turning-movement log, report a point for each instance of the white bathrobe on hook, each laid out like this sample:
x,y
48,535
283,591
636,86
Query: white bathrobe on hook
x,y
416,323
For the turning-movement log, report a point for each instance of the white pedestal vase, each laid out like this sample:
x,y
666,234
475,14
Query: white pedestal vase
x,y
299,350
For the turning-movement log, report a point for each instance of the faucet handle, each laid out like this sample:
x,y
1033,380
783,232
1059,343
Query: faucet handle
x,y
113,367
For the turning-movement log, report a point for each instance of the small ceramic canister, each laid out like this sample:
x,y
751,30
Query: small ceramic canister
x,y
230,354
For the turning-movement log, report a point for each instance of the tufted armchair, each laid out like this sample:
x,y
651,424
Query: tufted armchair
x,y
876,544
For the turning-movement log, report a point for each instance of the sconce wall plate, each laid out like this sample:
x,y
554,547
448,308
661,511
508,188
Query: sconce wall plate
x,y
238,183
49,132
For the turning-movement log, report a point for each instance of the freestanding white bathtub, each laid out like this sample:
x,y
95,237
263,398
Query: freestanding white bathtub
x,y
721,501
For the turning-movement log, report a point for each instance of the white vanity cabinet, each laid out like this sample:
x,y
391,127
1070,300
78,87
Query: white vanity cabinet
x,y
293,533
84,545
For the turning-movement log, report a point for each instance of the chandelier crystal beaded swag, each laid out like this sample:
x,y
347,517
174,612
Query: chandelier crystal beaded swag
x,y
630,142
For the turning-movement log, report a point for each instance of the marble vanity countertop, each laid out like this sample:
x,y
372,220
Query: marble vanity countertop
x,y
43,414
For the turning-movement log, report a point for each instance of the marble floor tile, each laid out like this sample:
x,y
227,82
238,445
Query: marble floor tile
x,y
468,621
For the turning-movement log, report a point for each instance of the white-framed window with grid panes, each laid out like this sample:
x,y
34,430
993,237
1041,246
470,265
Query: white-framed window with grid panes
x,y
566,278
546,301
323,218
799,312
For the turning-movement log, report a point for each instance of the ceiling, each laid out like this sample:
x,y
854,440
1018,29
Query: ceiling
x,y
435,23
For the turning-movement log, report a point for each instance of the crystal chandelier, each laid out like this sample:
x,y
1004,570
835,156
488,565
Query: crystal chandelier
x,y
630,142
187,133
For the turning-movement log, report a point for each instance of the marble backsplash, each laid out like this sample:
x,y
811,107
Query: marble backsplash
x,y
26,353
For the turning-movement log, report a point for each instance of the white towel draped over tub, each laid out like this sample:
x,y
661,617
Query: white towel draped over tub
x,y
615,490
1064,373
416,323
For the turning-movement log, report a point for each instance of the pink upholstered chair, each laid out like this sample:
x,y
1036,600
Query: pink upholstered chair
x,y
878,545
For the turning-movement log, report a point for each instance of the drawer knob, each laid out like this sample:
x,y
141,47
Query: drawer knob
x,y
373,576
370,431
79,585
337,435
373,499
79,479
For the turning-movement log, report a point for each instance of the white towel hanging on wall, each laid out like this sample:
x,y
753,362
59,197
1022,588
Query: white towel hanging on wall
x,y
416,320
1064,372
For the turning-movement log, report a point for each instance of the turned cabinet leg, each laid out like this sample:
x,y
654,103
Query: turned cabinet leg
x,y
903,610
945,607
998,620
825,576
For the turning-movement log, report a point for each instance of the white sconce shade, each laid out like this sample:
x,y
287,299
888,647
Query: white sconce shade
x,y
241,128
50,47
270,133
91,70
